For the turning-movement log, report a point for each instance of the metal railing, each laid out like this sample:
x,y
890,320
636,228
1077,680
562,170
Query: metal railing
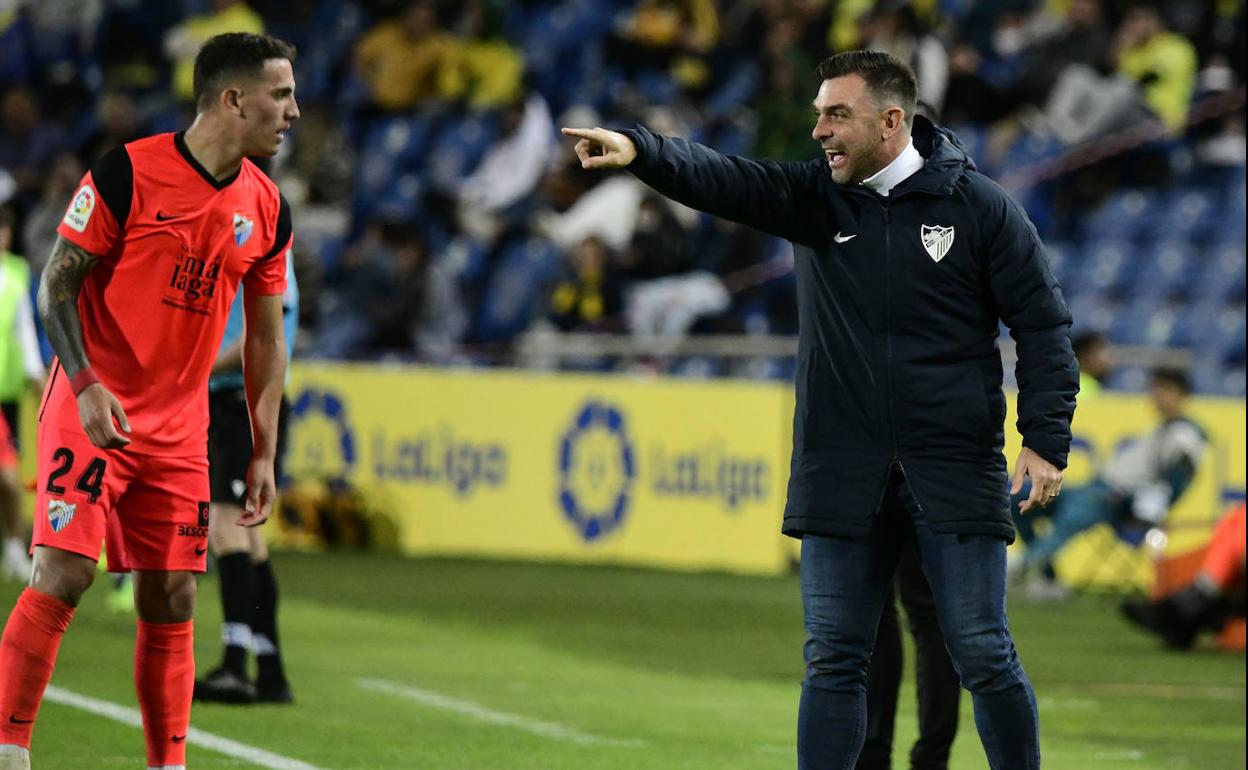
x,y
549,349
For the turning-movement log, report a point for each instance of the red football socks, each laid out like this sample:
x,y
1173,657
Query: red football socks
x,y
164,676
27,654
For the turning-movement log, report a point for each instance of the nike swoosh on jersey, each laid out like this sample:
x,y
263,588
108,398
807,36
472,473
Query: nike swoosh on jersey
x,y
843,238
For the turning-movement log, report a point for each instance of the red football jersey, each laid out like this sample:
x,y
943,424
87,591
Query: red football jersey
x,y
174,243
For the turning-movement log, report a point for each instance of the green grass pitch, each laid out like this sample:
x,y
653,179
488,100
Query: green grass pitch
x,y
545,667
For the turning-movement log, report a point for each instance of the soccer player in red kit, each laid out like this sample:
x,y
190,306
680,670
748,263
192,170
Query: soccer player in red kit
x,y
134,298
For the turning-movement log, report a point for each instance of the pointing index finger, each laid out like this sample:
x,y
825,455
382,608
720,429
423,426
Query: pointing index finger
x,y
593,134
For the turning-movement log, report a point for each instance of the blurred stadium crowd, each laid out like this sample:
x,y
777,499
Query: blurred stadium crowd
x,y
440,217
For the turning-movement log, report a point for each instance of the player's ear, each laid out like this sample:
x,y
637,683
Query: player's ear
x,y
232,100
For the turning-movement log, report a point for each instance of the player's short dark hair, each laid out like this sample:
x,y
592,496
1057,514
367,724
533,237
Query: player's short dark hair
x,y
889,79
1087,341
1172,375
233,54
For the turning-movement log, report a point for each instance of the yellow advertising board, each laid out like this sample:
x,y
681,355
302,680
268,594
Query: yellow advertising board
x,y
655,472
604,469
643,471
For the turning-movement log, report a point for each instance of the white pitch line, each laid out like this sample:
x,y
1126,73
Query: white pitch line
x,y
194,736
482,714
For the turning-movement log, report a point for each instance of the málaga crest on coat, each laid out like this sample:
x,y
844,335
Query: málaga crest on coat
x,y
936,240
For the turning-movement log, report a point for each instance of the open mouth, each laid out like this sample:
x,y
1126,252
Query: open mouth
x,y
836,158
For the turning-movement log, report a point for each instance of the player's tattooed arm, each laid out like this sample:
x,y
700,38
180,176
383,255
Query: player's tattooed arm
x,y
62,281
98,409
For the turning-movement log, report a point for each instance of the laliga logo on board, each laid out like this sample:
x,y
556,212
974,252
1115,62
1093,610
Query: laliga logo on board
x,y
327,440
596,470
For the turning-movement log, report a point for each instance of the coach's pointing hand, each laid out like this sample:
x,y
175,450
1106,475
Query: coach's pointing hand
x,y
97,407
599,148
1046,480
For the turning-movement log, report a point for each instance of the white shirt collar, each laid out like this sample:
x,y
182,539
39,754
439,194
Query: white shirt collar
x,y
902,167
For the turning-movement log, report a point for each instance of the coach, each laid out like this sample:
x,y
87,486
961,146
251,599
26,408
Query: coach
x,y
907,259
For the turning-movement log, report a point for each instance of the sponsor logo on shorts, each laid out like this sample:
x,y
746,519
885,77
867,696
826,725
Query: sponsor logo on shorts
x,y
203,514
185,531
238,487
79,212
200,550
60,513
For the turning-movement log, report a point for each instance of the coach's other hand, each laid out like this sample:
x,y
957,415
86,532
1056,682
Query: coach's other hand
x,y
599,148
97,407
261,493
1046,480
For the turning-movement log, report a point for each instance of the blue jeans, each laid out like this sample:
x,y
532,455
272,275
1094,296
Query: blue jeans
x,y
844,584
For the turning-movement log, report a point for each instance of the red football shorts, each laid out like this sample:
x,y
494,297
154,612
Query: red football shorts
x,y
152,512
8,453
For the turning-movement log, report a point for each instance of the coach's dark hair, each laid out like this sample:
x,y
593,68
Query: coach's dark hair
x,y
1175,376
232,54
889,79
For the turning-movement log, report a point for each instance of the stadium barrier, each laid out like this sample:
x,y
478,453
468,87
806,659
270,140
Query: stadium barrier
x,y
655,472
607,469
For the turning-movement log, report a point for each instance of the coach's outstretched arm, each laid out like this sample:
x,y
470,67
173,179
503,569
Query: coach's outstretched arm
x,y
264,375
779,198
59,287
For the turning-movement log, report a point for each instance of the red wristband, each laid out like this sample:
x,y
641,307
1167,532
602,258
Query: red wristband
x,y
84,379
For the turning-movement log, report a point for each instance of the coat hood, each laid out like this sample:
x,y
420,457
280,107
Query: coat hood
x,y
946,158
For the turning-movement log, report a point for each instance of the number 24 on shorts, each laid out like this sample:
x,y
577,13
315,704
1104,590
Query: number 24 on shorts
x,y
90,481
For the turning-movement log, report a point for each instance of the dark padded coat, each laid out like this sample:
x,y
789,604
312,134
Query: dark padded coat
x,y
899,304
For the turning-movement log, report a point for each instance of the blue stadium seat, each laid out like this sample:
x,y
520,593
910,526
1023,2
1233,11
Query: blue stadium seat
x,y
1030,150
1123,216
338,26
973,139
1144,320
1107,266
400,199
735,92
1165,269
1065,259
1225,336
515,292
458,147
1191,328
1222,277
1189,214
1091,311
466,259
